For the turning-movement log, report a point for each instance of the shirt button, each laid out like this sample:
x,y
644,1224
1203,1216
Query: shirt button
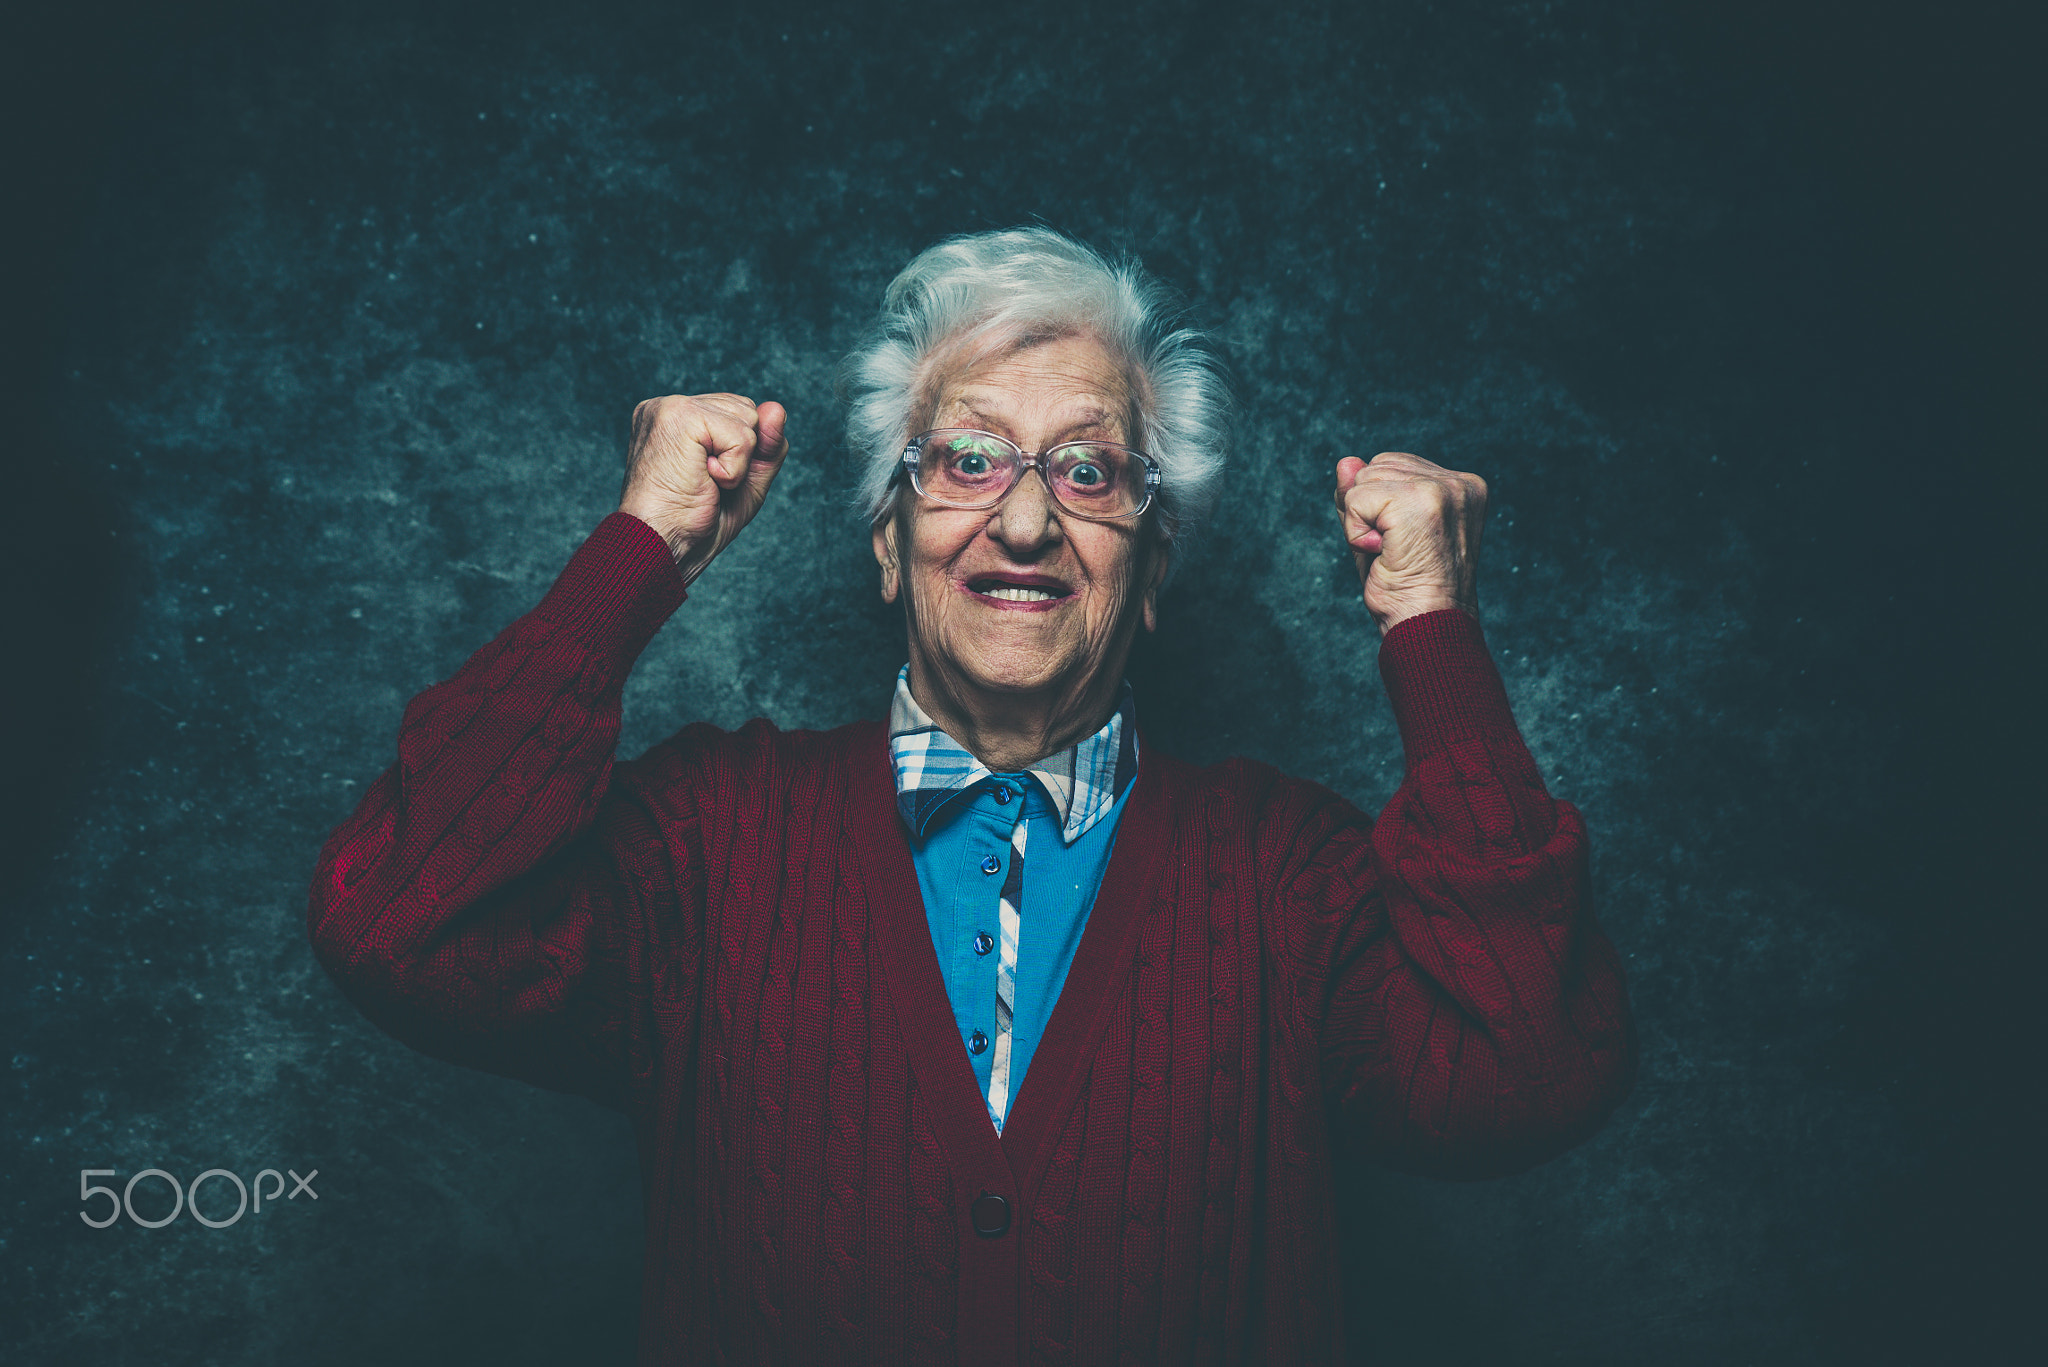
x,y
991,865
977,1043
1002,794
984,942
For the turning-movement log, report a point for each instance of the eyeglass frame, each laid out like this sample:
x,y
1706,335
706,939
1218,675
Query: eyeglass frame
x,y
1028,461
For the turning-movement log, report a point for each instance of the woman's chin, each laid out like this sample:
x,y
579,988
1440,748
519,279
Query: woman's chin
x,y
1000,667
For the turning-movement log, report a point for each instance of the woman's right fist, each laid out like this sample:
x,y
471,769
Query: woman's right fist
x,y
699,470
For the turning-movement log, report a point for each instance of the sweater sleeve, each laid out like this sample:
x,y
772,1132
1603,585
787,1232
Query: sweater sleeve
x,y
1471,1018
490,902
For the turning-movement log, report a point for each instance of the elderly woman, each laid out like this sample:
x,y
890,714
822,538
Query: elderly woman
x,y
990,1034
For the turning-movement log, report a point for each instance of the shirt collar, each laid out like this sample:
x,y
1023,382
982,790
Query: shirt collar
x,y
1083,781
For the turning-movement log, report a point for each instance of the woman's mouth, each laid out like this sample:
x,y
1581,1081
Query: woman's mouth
x,y
1018,590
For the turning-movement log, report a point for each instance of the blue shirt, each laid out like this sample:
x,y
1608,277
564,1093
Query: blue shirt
x,y
1009,865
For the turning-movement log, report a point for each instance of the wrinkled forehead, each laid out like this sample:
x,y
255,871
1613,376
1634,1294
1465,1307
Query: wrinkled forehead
x,y
1037,386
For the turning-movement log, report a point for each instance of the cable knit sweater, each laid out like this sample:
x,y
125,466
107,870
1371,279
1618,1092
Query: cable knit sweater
x,y
724,940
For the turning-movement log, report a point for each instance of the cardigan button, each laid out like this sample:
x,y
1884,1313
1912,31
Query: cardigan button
x,y
984,942
991,865
977,1043
1002,794
990,1214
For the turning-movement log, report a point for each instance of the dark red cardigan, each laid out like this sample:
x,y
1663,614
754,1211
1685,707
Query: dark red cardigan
x,y
724,939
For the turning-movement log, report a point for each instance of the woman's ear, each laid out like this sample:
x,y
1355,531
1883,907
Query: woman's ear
x,y
1155,577
885,555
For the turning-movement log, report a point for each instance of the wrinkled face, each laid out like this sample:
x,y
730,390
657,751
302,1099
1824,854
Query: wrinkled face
x,y
1024,597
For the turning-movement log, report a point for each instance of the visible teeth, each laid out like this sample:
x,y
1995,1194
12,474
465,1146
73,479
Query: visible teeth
x,y
1014,594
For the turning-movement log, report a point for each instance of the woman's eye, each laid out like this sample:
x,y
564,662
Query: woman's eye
x,y
973,463
1085,475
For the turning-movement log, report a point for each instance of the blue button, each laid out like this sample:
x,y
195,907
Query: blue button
x,y
977,1043
991,865
984,942
1002,794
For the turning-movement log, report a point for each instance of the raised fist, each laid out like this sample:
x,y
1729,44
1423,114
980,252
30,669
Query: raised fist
x,y
1414,529
699,469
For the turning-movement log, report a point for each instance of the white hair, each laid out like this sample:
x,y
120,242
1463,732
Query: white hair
x,y
1014,286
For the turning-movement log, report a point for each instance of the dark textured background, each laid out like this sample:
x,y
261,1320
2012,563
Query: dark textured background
x,y
325,336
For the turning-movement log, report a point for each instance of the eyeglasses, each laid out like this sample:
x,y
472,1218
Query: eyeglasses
x,y
1098,481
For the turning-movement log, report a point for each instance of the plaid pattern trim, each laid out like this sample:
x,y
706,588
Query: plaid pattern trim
x,y
1010,915
1082,780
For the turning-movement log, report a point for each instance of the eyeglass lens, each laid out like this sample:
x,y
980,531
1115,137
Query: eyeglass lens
x,y
974,469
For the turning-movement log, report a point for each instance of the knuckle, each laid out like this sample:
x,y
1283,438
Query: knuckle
x,y
732,445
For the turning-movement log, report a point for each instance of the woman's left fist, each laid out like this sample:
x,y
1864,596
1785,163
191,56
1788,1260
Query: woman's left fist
x,y
1414,529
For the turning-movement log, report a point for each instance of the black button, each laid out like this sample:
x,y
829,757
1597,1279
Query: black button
x,y
991,865
1002,794
990,1214
984,942
977,1043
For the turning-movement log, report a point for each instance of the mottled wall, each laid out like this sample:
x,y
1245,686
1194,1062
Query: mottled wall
x,y
358,316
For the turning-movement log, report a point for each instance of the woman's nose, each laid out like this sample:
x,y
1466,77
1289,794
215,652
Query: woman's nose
x,y
1025,520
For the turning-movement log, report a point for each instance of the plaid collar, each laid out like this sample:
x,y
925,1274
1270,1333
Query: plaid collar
x,y
1082,780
